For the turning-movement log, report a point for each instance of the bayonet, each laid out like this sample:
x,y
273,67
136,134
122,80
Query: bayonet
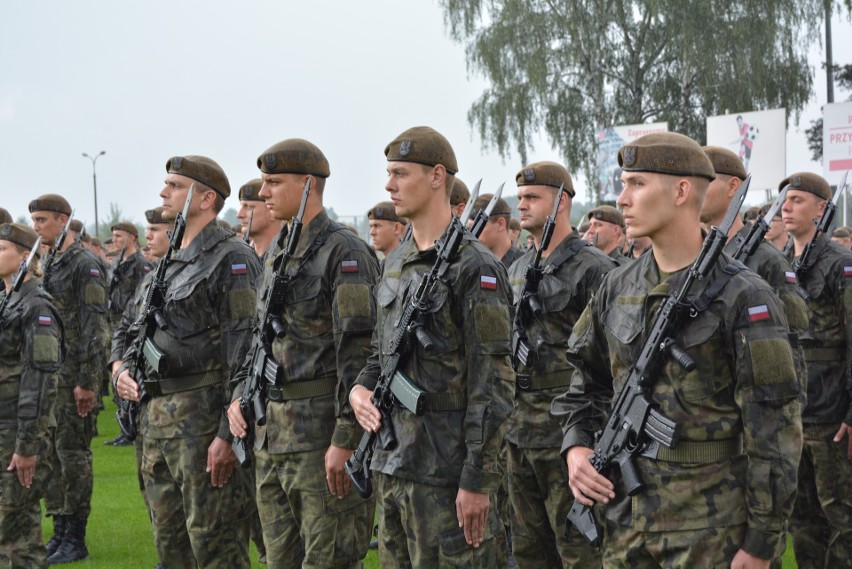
x,y
18,281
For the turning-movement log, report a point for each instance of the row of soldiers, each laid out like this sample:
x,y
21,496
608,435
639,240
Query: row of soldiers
x,y
501,441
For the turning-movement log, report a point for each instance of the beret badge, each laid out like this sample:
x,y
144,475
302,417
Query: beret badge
x,y
270,161
177,162
629,155
529,174
404,147
796,181
5,230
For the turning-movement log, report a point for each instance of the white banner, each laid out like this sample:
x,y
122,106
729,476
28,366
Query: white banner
x,y
836,141
609,141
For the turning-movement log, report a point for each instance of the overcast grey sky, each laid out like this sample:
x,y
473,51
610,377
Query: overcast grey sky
x,y
146,80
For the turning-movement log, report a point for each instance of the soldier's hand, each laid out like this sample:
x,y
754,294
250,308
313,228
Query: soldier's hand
x,y
236,421
587,484
472,513
845,431
336,478
85,400
744,560
368,416
221,461
25,465
126,387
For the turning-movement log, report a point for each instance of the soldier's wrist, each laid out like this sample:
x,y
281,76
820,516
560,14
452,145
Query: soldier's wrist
x,y
354,387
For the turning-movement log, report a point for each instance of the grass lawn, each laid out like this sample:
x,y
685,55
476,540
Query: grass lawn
x,y
119,533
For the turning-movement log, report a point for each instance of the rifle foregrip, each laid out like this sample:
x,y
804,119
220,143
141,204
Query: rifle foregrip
x,y
424,340
582,518
259,406
534,304
680,355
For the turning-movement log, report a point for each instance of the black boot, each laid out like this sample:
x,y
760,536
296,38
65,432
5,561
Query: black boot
x,y
59,526
73,546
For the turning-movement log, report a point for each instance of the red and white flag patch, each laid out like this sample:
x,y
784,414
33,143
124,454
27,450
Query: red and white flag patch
x,y
93,272
239,269
758,313
45,321
790,277
847,271
349,266
488,283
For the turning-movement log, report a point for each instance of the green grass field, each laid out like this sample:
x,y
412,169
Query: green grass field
x,y
119,534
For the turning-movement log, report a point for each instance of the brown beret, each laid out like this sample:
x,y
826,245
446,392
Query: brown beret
x,y
514,224
95,242
108,241
125,226
725,161
294,156
5,216
250,190
807,182
383,210
842,232
666,153
500,208
76,226
201,169
764,209
422,145
546,174
19,234
155,216
607,213
459,193
51,202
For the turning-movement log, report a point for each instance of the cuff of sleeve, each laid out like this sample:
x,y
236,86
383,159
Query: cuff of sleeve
x,y
26,448
346,435
760,543
367,381
575,438
848,419
224,431
474,479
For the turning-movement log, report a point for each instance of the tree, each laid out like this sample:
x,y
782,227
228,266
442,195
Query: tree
x,y
569,68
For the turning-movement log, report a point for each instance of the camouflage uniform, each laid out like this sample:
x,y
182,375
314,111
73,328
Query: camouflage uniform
x,y
706,498
511,256
538,477
31,351
618,257
78,287
468,375
329,316
209,309
821,524
123,283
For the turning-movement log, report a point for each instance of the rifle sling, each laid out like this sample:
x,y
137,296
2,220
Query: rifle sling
x,y
701,451
566,256
710,293
303,389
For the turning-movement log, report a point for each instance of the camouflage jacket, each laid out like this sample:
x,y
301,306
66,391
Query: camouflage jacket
x,y
123,283
125,331
468,322
209,308
78,287
512,255
31,351
563,293
744,387
329,315
828,341
618,257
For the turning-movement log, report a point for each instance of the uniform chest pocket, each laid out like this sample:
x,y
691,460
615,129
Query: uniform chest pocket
x,y
308,309
624,322
439,323
555,294
702,339
188,309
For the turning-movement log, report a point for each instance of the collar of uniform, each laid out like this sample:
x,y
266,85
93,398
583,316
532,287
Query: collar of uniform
x,y
209,235
310,232
23,292
72,251
564,244
410,253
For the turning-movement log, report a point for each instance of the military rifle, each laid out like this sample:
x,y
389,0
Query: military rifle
x,y
758,229
482,216
113,277
635,425
263,368
529,303
142,348
247,236
18,281
392,386
802,265
57,246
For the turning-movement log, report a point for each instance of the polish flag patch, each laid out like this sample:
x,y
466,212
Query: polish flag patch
x,y
45,321
847,271
488,283
349,266
758,313
791,276
93,272
239,269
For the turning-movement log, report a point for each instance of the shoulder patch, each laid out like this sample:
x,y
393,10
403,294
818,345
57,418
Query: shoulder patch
x,y
45,349
353,300
847,271
758,313
790,277
350,266
487,282
94,294
242,303
45,321
239,269
94,272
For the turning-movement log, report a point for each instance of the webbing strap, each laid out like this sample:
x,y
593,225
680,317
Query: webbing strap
x,y
701,451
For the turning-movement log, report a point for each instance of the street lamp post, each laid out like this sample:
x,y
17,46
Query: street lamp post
x,y
95,185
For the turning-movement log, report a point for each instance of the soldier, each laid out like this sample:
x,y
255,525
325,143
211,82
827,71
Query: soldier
x,y
78,287
304,497
514,231
433,487
538,479
842,236
459,197
606,230
776,236
31,352
706,501
495,235
636,246
5,216
200,516
386,229
821,524
264,228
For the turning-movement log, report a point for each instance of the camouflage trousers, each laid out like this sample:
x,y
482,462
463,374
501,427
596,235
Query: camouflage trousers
x,y
418,528
709,548
70,491
541,498
821,524
303,520
195,524
21,546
